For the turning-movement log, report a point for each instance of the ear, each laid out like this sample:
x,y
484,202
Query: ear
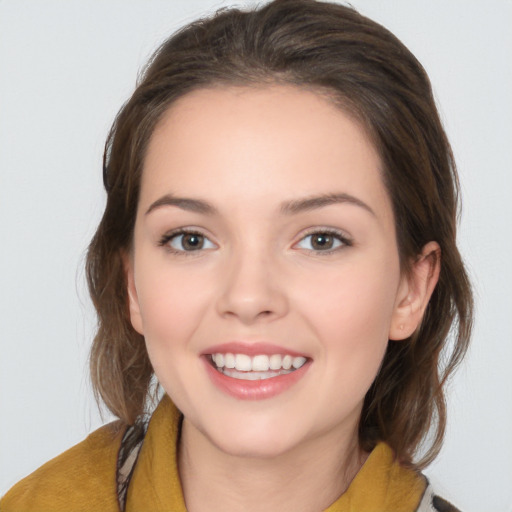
x,y
133,300
415,291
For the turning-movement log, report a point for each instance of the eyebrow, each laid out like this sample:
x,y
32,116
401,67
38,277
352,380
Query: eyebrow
x,y
287,208
185,203
314,202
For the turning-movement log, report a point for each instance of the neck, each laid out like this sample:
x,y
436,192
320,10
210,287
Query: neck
x,y
309,477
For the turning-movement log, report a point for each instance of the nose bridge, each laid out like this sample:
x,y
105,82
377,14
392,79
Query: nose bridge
x,y
251,287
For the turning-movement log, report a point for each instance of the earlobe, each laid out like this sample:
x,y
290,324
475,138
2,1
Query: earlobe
x,y
415,292
133,300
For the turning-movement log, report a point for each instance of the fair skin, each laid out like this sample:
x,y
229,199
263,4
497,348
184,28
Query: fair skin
x,y
267,269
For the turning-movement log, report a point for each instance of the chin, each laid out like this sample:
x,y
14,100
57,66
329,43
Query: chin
x,y
255,448
254,439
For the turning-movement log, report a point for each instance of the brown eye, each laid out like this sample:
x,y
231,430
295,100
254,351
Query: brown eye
x,y
191,242
323,241
188,242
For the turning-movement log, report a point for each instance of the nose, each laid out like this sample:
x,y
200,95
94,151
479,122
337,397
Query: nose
x,y
252,289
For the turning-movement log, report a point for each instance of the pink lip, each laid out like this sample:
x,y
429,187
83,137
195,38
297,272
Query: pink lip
x,y
251,349
254,389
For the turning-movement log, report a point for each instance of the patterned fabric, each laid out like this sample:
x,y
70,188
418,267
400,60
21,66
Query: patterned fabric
x,y
127,457
431,502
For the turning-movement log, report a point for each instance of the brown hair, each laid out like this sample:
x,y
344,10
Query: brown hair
x,y
372,75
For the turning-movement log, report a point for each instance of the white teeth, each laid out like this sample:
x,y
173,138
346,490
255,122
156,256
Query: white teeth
x,y
229,361
275,362
298,362
235,374
243,363
219,360
258,363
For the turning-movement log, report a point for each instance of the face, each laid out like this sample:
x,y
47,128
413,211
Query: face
x,y
265,273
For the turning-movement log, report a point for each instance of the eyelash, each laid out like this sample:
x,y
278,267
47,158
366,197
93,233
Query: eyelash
x,y
168,237
338,235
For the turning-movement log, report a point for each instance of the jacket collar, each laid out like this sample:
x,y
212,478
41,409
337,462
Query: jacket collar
x,y
381,484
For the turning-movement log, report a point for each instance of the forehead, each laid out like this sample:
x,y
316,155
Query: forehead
x,y
268,143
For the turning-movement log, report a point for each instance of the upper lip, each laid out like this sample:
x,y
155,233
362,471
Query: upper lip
x,y
251,349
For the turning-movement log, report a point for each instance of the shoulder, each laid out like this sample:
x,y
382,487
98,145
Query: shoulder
x,y
82,478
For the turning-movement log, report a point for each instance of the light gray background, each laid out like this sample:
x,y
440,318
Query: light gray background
x,y
66,68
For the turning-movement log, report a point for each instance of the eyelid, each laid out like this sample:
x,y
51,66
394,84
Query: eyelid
x,y
169,235
341,236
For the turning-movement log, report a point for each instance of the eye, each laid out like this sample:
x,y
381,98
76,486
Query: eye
x,y
186,241
323,241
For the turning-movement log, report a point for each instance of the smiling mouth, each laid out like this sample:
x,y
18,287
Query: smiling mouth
x,y
259,367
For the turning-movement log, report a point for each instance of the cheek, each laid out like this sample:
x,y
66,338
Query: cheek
x,y
362,294
172,302
350,311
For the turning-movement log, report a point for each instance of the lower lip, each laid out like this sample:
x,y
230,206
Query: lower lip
x,y
255,389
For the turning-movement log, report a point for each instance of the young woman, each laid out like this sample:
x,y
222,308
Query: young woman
x,y
277,254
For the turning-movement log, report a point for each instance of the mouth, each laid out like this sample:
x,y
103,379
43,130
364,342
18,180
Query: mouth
x,y
254,371
257,367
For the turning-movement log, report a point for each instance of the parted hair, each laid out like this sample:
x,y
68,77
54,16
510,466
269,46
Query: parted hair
x,y
369,74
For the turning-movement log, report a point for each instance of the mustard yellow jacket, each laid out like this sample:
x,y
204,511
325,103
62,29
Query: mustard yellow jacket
x,y
83,479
